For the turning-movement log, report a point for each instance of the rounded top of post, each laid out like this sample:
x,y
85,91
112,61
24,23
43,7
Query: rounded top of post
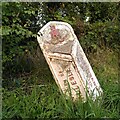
x,y
55,34
50,23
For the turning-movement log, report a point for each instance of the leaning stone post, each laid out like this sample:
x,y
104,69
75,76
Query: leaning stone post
x,y
67,61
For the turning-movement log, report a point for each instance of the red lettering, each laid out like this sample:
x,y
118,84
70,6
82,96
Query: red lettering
x,y
92,79
90,84
70,74
71,78
73,83
76,87
90,75
61,73
94,83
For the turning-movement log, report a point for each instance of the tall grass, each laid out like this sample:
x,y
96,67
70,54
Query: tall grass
x,y
43,99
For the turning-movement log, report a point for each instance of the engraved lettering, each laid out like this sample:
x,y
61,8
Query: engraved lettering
x,y
61,73
65,82
77,87
70,74
71,78
61,50
73,83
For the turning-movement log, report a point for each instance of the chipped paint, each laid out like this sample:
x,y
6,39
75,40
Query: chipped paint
x,y
67,61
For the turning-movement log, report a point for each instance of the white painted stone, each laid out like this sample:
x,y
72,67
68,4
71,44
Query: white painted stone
x,y
67,61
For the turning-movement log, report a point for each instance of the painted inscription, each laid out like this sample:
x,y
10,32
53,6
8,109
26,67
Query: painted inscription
x,y
68,78
67,61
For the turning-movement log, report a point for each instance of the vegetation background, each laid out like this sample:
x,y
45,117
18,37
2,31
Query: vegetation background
x,y
29,90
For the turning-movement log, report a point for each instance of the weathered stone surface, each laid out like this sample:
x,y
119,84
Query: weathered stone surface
x,y
64,49
67,61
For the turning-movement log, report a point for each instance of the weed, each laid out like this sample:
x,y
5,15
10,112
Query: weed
x,y
44,100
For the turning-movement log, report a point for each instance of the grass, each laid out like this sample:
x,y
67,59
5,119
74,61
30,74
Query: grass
x,y
43,99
